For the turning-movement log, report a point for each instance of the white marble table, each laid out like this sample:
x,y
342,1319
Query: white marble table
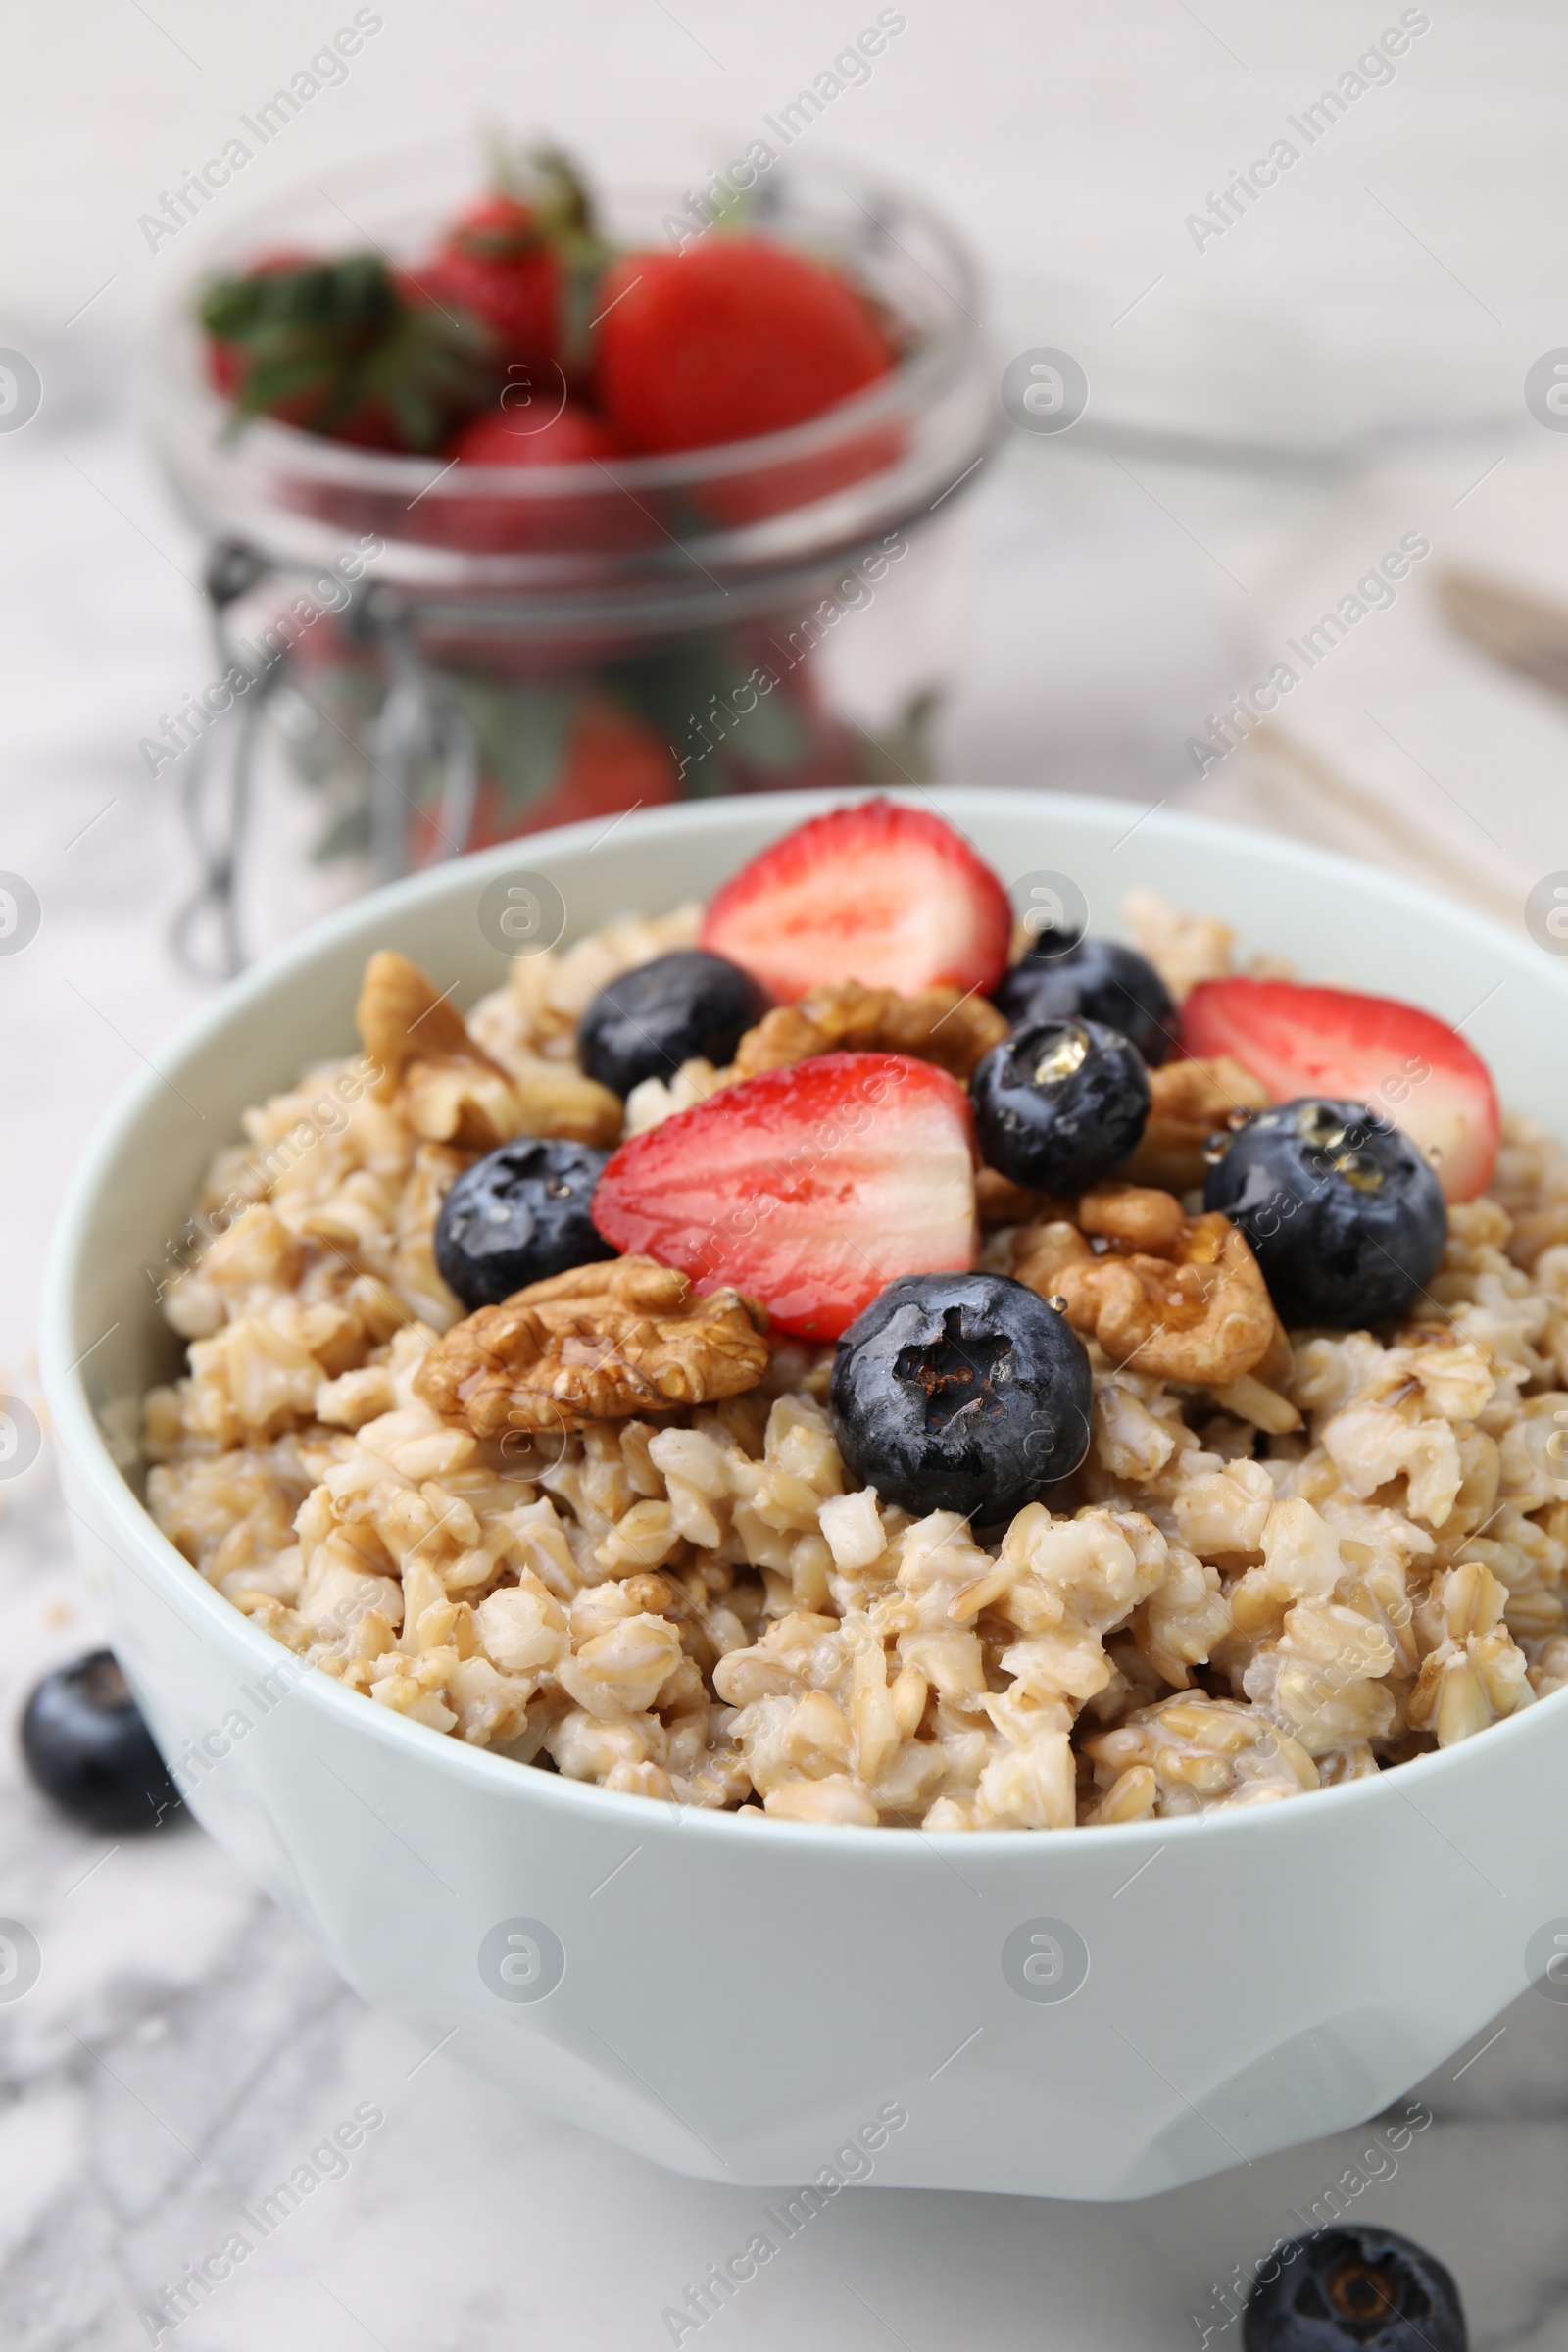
x,y
185,2047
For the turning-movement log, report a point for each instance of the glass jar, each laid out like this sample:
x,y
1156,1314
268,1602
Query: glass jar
x,y
437,656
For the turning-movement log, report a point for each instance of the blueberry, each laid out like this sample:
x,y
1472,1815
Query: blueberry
x,y
652,1019
1092,980
86,1747
1354,2287
960,1392
1059,1103
1344,1216
516,1215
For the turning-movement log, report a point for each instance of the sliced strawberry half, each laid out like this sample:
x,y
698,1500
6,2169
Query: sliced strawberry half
x,y
1401,1061
808,1188
879,893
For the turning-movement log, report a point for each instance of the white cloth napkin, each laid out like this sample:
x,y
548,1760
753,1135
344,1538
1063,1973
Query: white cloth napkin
x,y
1400,742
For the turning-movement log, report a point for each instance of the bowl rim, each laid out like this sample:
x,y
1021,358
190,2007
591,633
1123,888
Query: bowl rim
x,y
82,1443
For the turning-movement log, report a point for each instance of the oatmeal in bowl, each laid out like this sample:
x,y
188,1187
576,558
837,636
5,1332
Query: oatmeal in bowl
x,y
578,1465
829,1355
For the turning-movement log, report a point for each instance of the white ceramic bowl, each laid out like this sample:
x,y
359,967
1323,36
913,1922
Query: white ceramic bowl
x,y
737,2000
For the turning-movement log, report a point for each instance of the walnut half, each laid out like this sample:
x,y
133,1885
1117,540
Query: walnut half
x,y
448,1088
1187,1103
1182,1297
401,1019
596,1343
940,1024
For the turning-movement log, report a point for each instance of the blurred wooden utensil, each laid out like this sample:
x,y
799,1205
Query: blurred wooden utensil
x,y
1526,633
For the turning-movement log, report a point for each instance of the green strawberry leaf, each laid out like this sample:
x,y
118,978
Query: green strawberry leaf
x,y
348,836
333,338
523,735
905,753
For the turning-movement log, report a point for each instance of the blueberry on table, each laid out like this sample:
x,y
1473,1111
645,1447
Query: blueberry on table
x,y
680,1008
1354,2286
960,1392
1345,1217
87,1747
1059,1103
518,1215
1092,980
